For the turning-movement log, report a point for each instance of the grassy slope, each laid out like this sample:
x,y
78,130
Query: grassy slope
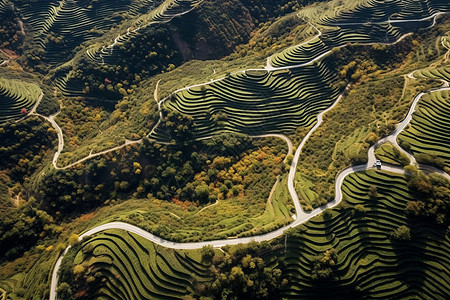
x,y
16,95
369,263
32,284
380,98
426,133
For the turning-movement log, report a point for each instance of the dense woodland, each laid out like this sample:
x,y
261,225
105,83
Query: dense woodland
x,y
35,199
24,149
214,169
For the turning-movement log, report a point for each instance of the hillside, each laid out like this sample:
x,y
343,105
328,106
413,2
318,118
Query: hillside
x,y
199,149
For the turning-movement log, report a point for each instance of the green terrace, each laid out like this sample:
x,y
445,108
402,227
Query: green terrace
x,y
442,73
163,13
370,263
367,33
380,11
428,130
59,26
128,266
16,98
256,102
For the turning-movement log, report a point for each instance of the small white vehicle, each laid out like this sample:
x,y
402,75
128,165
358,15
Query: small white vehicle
x,y
377,164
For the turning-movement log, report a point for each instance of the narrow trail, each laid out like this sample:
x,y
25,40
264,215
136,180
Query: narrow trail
x,y
274,187
206,207
268,68
300,217
155,93
131,31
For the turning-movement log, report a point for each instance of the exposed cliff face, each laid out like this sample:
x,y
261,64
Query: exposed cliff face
x,y
216,27
213,30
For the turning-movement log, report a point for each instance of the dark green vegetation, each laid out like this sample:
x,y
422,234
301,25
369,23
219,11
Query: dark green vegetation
x,y
392,155
428,137
24,146
104,65
257,102
371,246
17,98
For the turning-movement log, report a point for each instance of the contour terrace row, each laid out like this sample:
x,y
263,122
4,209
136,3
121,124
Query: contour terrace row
x,y
256,102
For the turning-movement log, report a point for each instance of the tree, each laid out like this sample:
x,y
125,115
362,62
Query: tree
x,y
202,192
73,239
64,291
78,270
323,265
402,233
373,192
360,208
207,253
289,159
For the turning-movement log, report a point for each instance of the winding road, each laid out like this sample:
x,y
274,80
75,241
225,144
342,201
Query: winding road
x,y
268,68
300,217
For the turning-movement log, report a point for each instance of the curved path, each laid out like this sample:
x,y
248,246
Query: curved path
x,y
281,136
268,68
301,216
162,8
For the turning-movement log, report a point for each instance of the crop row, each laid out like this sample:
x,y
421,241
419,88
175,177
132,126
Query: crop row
x,y
380,11
367,33
369,262
257,102
60,26
442,73
428,130
132,267
16,95
163,13
361,24
3,6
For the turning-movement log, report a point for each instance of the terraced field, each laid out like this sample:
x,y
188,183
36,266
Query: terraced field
x,y
367,22
369,263
428,131
134,268
390,154
59,26
379,11
442,73
16,95
373,33
3,6
256,102
162,14
108,51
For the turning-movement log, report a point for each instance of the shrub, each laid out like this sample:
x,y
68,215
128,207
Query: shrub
x,y
402,233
